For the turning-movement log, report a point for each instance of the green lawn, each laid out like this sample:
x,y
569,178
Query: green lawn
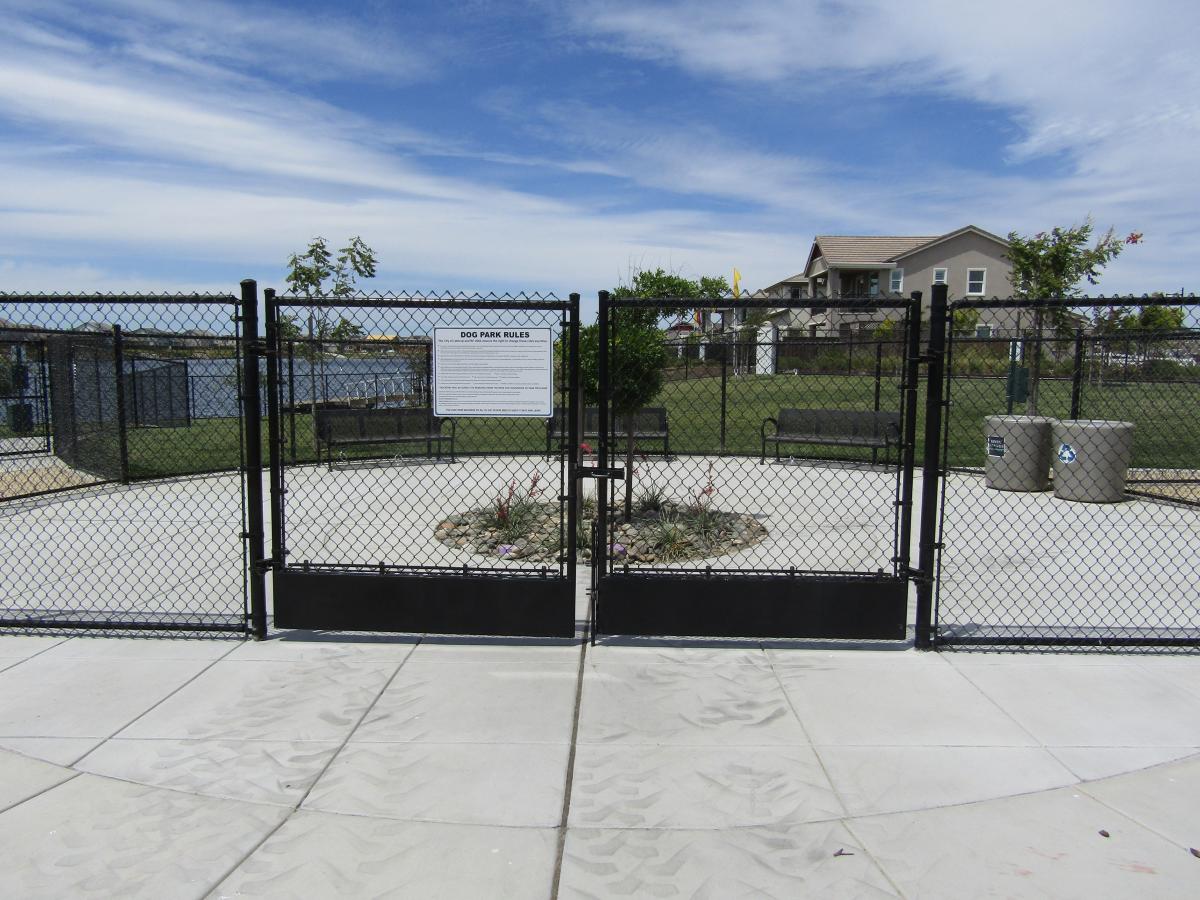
x,y
1167,435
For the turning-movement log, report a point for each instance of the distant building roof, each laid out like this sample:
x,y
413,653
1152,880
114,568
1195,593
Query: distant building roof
x,y
841,251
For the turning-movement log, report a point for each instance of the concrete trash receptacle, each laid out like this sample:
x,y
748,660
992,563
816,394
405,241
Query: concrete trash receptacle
x,y
1017,452
1091,459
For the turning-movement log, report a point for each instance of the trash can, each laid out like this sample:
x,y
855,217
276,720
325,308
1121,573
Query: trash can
x,y
1091,459
1017,453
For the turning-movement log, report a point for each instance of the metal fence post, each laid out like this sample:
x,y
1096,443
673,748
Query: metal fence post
x,y
252,466
571,347
931,473
122,433
1077,375
274,431
912,377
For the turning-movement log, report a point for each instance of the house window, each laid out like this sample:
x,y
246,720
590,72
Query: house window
x,y
816,310
976,279
940,276
983,331
795,293
897,285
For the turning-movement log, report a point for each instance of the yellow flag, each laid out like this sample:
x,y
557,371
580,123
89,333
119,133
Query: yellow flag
x,y
737,283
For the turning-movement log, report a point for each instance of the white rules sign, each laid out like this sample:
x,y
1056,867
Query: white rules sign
x,y
493,372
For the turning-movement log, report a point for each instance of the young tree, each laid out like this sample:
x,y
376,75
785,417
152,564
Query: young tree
x,y
1054,264
317,273
638,349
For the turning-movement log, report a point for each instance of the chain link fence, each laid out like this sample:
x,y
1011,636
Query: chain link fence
x,y
127,514
1071,496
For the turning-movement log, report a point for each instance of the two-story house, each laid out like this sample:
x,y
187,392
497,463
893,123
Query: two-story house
x,y
970,261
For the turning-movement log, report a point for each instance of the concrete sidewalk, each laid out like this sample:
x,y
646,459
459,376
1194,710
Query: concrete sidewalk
x,y
309,767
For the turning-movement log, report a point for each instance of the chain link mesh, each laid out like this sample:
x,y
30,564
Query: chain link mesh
x,y
1083,528
121,495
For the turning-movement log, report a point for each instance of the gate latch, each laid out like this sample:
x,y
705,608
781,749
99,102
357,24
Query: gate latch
x,y
597,472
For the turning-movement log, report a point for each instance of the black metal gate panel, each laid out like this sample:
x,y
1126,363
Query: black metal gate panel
x,y
1038,565
110,522
388,514
760,484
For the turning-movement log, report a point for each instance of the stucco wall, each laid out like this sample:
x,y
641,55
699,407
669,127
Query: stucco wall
x,y
967,251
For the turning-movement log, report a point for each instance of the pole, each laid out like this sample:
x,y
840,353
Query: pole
x,y
600,551
122,435
1077,375
274,432
931,473
252,465
572,461
912,377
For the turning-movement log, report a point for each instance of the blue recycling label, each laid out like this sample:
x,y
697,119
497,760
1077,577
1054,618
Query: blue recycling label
x,y
1066,453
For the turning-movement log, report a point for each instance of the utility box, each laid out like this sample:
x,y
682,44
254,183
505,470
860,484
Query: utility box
x,y
1017,452
1091,459
1018,384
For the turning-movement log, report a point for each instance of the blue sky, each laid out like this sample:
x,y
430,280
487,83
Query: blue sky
x,y
157,144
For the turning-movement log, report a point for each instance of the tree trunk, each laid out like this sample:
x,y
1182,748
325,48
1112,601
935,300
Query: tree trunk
x,y
1035,365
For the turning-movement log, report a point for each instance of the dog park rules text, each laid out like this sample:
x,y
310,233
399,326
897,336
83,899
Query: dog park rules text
x,y
493,372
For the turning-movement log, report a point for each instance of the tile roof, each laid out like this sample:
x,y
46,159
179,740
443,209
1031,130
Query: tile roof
x,y
848,250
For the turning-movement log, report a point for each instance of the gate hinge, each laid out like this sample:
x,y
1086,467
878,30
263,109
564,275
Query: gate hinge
x,y
264,565
597,472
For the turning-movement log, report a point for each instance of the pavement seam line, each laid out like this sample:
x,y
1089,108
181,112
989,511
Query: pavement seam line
x,y
44,790
563,825
350,734
811,743
847,824
1083,789
156,704
289,811
1038,742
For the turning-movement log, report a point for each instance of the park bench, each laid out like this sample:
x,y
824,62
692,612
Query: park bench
x,y
836,427
649,424
355,427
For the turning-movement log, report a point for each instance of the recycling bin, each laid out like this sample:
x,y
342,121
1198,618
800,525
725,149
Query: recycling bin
x,y
1017,453
1091,459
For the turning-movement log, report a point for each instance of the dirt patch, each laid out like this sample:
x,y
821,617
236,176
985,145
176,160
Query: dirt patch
x,y
23,476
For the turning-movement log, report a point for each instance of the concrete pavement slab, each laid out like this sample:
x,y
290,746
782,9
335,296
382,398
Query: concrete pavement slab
x,y
1091,763
779,861
1164,799
257,771
636,786
325,855
476,703
1105,706
675,704
882,702
85,697
22,777
1045,845
268,701
23,646
92,647
96,837
481,784
892,779
299,646
60,751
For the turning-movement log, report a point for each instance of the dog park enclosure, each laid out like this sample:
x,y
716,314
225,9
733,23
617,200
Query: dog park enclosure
x,y
171,466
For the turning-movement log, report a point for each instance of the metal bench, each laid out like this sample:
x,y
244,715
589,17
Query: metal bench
x,y
836,427
649,424
353,427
